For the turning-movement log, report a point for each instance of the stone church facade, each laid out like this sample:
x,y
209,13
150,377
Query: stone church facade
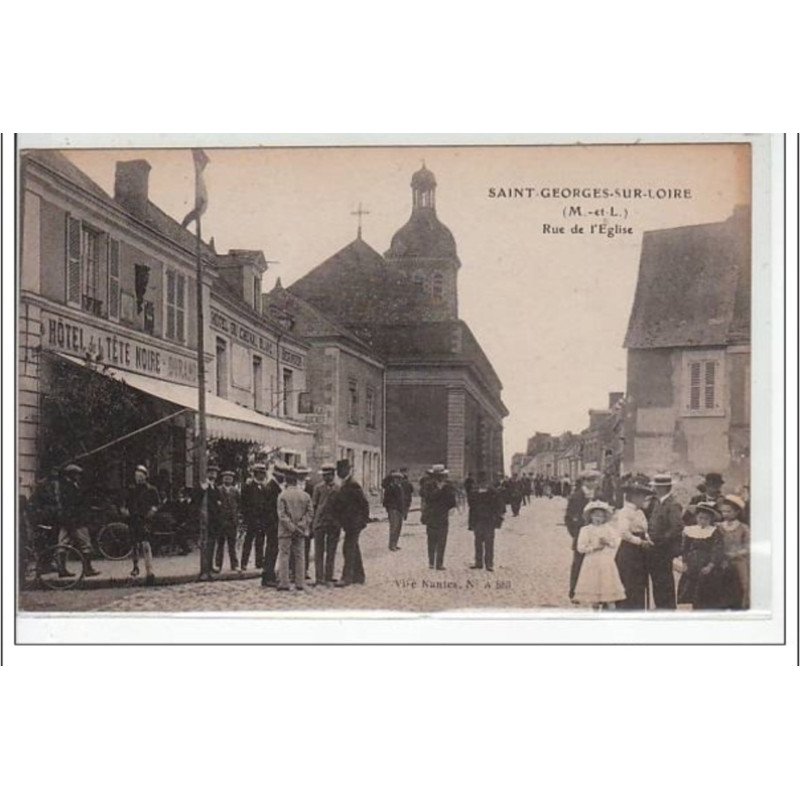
x,y
443,397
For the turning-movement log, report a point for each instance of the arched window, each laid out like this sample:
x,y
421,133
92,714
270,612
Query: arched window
x,y
437,288
419,279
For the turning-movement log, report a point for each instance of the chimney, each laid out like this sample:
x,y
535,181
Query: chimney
x,y
614,398
131,186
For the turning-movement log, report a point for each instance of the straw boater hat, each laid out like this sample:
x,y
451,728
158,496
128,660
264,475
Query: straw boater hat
x,y
662,479
589,475
733,500
709,508
328,467
227,472
439,469
143,469
259,466
597,505
72,468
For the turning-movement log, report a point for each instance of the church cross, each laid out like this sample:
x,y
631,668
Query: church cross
x,y
361,213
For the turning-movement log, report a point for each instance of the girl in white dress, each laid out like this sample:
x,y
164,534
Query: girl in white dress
x,y
599,584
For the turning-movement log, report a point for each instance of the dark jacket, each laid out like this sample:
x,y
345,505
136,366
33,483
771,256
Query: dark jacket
x,y
408,493
486,509
255,501
324,507
573,518
214,503
73,505
665,524
394,496
229,509
438,502
140,500
350,506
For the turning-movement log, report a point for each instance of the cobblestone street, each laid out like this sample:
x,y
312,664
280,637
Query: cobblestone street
x,y
532,564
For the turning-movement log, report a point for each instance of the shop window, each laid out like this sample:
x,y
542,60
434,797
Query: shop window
x,y
176,306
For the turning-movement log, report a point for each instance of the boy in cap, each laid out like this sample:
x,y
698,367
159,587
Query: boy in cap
x,y
294,518
324,526
141,505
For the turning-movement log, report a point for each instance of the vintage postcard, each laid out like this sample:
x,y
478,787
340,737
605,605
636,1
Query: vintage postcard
x,y
358,379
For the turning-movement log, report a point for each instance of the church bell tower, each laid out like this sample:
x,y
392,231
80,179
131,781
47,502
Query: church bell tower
x,y
424,248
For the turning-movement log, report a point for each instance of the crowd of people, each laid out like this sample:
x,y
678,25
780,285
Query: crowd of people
x,y
624,551
627,549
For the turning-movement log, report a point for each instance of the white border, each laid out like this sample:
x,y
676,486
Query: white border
x,y
500,627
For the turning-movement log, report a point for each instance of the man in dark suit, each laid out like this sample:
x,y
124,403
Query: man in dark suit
x,y
72,519
440,498
408,491
274,488
486,509
585,491
255,509
351,510
665,528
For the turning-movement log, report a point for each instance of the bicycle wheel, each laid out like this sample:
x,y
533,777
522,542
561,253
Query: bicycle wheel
x,y
114,541
60,567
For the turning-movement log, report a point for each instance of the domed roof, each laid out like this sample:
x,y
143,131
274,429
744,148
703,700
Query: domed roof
x,y
423,236
423,179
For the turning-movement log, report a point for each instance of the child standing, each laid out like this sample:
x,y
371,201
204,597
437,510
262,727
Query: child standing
x,y
702,558
736,550
599,584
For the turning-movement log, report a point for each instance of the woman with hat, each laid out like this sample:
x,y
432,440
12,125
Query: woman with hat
x,y
631,523
599,584
701,559
736,546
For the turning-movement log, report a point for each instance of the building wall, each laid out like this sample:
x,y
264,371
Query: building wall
x,y
660,435
416,428
363,374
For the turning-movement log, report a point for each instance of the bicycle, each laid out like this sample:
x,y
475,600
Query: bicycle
x,y
53,566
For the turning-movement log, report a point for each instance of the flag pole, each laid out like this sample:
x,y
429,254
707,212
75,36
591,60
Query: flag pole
x,y
201,442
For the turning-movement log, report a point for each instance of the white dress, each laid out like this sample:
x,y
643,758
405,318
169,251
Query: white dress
x,y
598,580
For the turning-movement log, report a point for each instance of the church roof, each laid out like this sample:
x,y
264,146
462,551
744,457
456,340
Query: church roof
x,y
423,179
694,286
423,236
356,285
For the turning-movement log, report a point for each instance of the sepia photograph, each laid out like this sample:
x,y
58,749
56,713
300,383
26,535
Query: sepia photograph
x,y
418,379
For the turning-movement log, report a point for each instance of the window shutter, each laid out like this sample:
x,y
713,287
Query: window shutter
x,y
710,384
113,279
73,260
180,302
170,304
694,385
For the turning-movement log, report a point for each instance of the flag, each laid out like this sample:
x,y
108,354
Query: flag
x,y
200,191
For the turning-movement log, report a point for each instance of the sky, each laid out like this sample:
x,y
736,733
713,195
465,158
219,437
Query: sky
x,y
550,310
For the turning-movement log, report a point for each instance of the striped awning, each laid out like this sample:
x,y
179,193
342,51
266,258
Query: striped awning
x,y
224,418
